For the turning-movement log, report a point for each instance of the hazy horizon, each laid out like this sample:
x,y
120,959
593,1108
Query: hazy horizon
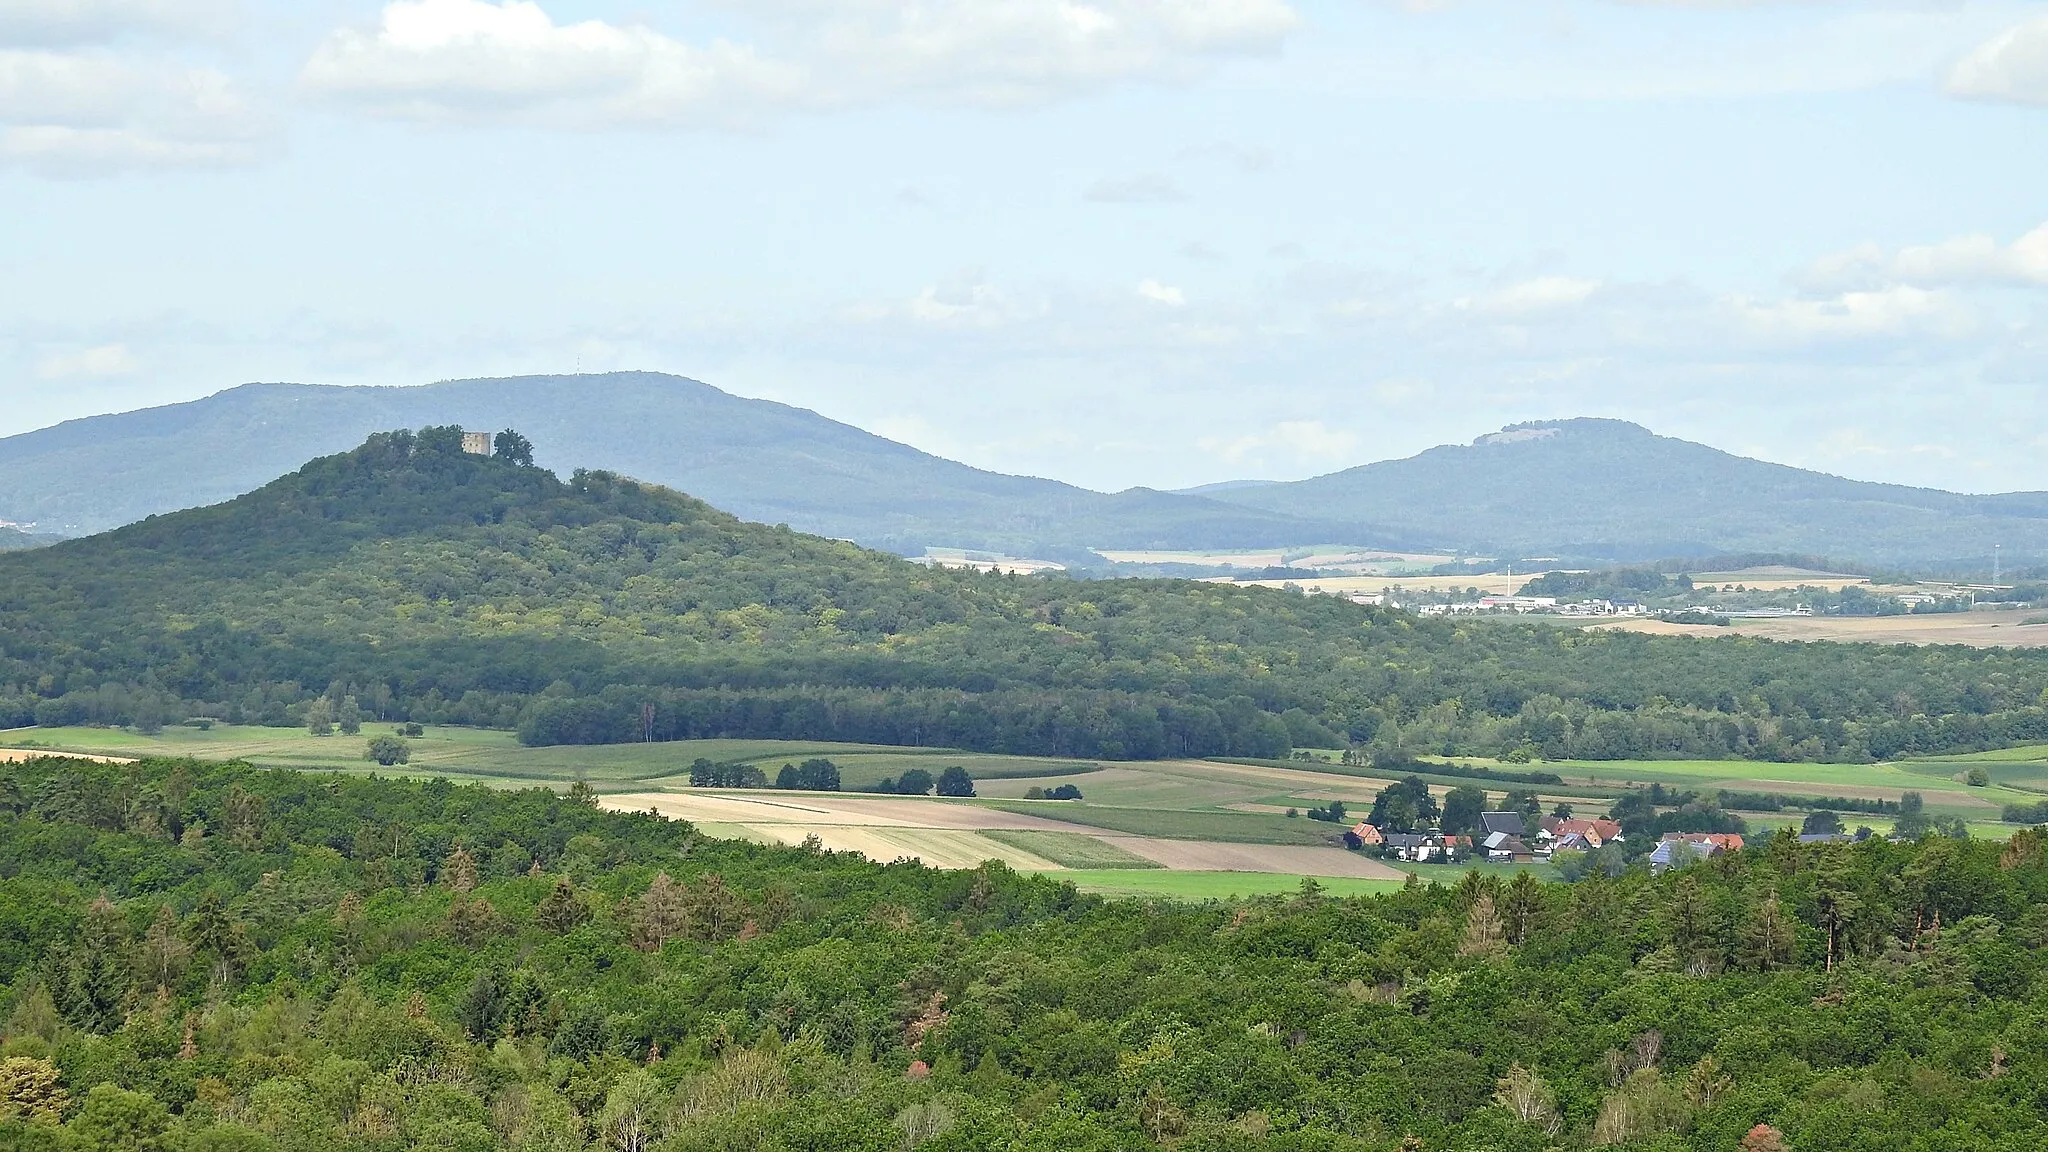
x,y
1113,242
1204,488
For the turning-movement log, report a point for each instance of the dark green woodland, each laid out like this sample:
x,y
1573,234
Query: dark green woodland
x,y
439,587
212,957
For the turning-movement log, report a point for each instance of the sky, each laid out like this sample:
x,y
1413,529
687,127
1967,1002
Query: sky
x,y
1115,242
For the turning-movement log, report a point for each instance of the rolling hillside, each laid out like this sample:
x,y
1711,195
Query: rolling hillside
x,y
1606,488
431,585
14,540
759,460
1573,489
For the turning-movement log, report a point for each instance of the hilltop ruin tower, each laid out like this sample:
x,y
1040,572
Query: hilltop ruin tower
x,y
476,443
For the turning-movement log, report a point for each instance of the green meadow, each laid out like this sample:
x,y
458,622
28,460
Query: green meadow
x,y
1202,800
498,758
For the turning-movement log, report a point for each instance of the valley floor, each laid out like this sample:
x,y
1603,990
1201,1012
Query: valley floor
x,y
1175,827
1976,629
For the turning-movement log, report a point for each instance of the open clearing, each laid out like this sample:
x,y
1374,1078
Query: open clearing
x,y
949,833
1194,856
1176,816
1071,849
1977,629
16,755
498,758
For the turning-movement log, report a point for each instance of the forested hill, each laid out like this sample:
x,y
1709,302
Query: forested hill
x,y
14,540
1605,488
757,459
207,958
436,586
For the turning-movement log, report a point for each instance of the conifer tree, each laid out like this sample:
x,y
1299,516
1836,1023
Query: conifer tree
x,y
1484,936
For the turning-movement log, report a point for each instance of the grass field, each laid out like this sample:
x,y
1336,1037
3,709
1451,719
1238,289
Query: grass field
x,y
498,758
1940,781
1071,849
1178,816
958,834
1977,629
1221,827
1198,886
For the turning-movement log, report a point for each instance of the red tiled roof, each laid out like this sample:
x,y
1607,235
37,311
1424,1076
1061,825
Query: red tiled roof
x,y
1726,841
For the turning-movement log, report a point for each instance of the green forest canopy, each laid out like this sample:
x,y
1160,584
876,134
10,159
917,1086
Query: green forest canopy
x,y
435,586
203,956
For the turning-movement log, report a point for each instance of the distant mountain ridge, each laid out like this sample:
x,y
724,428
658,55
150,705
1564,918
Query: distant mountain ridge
x,y
757,459
15,540
1582,489
1608,488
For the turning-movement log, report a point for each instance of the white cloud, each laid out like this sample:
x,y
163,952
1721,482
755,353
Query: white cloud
x,y
2012,66
92,110
1295,438
475,59
1144,188
964,301
464,59
1165,294
1897,311
1009,51
1962,260
99,363
1543,294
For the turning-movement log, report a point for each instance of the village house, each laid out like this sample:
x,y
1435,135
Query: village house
x,y
1416,847
1503,848
1590,834
1678,849
1512,823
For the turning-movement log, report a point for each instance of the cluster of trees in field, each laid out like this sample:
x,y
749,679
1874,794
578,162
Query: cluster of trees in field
x,y
1608,584
406,581
953,781
209,957
818,774
2035,813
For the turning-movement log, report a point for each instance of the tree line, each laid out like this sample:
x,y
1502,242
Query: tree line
x,y
200,956
431,586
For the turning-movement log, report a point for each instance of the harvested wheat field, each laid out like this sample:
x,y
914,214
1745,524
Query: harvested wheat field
x,y
946,834
1977,629
16,755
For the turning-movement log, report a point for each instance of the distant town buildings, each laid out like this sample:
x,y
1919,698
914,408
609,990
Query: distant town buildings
x,y
1534,605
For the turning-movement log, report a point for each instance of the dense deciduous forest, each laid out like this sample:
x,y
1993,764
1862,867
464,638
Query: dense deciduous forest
x,y
200,956
440,587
